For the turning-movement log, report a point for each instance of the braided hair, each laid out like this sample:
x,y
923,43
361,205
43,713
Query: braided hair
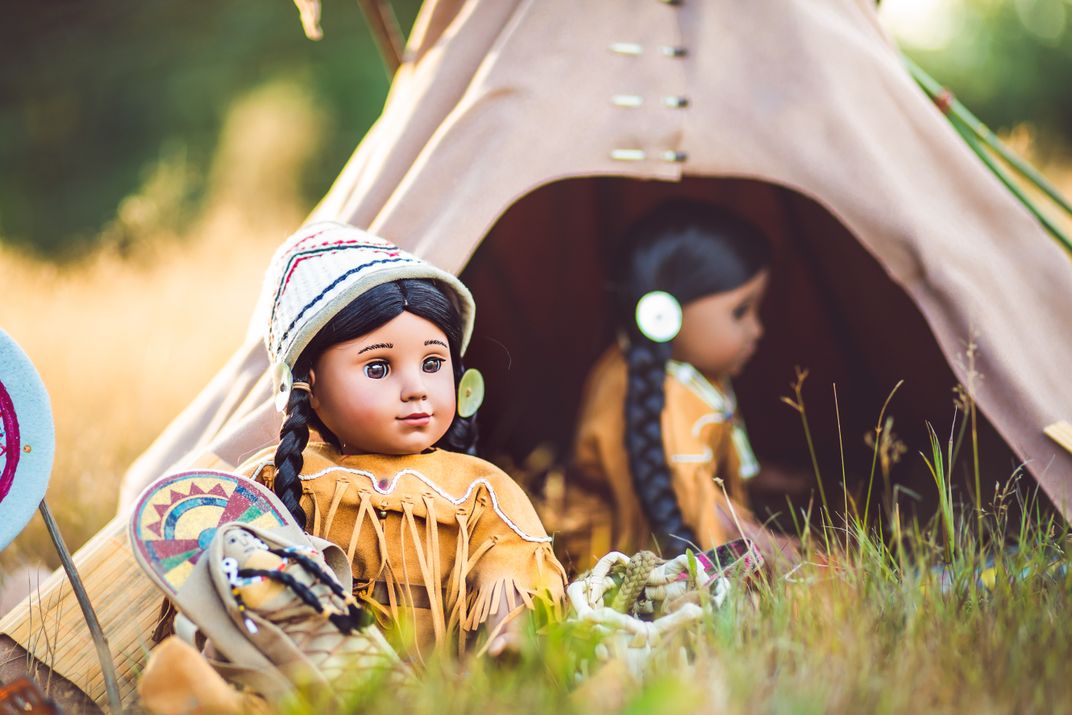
x,y
689,250
372,309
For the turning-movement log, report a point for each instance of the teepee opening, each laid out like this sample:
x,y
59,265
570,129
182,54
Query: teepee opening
x,y
541,280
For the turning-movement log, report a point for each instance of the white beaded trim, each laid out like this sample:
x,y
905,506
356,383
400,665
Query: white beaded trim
x,y
712,396
707,456
432,485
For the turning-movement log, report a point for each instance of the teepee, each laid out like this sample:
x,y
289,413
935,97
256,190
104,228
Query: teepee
x,y
520,136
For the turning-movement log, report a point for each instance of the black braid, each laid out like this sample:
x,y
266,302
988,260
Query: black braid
x,y
689,250
644,400
347,623
293,437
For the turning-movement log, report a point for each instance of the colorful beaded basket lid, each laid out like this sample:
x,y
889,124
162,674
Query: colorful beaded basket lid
x,y
176,517
27,439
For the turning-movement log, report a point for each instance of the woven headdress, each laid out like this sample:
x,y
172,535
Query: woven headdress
x,y
321,269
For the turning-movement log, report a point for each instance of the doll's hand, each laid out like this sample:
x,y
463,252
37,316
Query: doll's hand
x,y
508,642
506,629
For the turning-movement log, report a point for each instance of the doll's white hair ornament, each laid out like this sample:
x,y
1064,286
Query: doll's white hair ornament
x,y
658,316
321,269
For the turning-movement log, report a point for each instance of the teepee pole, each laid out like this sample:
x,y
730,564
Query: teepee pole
x,y
973,142
954,108
383,23
99,639
980,139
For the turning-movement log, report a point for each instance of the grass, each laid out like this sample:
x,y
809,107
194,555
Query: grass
x,y
967,612
878,628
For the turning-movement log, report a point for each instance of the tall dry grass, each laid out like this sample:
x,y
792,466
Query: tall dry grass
x,y
125,339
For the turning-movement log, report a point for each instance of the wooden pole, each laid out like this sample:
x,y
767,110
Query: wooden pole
x,y
385,30
99,639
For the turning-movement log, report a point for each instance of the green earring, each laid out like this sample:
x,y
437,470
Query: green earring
x,y
470,393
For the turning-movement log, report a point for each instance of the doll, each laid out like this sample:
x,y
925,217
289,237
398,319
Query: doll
x,y
292,588
375,450
261,607
661,449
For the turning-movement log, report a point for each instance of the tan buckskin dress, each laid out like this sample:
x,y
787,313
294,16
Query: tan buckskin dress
x,y
439,541
704,438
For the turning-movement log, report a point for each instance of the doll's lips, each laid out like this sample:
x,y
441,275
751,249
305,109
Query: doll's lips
x,y
417,419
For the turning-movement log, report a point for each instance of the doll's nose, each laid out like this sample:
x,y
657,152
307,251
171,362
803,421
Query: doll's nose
x,y
413,388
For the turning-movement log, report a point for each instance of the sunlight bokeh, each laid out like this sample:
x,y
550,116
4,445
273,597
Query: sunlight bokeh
x,y
926,24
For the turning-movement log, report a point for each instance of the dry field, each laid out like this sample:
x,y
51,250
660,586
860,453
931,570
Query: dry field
x,y
123,342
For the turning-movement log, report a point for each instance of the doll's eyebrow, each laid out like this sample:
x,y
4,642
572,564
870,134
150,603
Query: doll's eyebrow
x,y
375,346
437,342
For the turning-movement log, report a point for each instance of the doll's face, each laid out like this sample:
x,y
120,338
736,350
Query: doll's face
x,y
720,332
239,544
388,392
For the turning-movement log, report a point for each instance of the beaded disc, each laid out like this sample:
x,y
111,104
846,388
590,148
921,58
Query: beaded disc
x,y
658,316
176,517
27,439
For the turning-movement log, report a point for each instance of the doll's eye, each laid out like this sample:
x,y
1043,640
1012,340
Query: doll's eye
x,y
740,311
376,370
432,364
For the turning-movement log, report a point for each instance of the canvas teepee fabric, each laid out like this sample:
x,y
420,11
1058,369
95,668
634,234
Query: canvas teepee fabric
x,y
499,98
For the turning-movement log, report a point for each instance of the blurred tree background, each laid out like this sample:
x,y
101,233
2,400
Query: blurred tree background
x,y
1009,61
112,110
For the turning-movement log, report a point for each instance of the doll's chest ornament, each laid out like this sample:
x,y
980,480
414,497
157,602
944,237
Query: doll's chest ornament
x,y
719,408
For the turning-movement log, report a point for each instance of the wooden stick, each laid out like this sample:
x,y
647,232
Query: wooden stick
x,y
971,140
975,132
385,30
99,639
953,107
1061,433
